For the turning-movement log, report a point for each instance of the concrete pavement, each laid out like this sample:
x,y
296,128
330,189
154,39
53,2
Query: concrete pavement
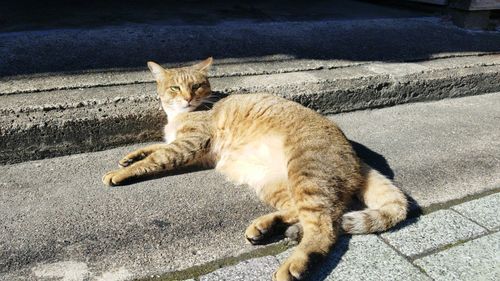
x,y
57,217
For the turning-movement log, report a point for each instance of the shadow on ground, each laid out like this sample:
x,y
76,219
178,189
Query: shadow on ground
x,y
302,30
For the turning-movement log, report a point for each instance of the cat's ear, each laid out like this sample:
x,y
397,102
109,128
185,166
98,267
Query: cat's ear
x,y
157,71
204,66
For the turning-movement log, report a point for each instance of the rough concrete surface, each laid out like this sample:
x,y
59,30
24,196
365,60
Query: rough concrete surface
x,y
50,123
475,260
57,210
431,232
427,146
250,270
273,64
484,211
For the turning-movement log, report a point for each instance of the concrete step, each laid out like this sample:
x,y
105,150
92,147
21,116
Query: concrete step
x,y
56,115
129,46
56,215
65,91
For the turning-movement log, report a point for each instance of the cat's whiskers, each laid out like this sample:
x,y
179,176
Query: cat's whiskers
x,y
212,96
208,102
205,106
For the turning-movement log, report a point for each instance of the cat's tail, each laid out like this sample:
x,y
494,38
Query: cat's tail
x,y
386,205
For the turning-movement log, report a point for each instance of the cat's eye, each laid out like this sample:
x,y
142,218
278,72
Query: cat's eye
x,y
175,88
195,86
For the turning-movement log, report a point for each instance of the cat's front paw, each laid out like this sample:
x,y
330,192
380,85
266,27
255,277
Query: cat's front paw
x,y
294,268
113,178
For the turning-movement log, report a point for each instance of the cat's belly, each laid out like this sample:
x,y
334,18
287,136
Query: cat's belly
x,y
256,163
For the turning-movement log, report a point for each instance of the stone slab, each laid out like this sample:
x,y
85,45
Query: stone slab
x,y
431,232
485,211
478,259
363,257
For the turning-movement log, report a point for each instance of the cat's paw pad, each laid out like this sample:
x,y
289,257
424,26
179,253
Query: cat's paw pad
x,y
293,269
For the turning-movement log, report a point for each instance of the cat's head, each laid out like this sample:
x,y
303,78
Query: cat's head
x,y
181,89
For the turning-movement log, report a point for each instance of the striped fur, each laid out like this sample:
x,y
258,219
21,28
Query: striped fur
x,y
296,160
386,205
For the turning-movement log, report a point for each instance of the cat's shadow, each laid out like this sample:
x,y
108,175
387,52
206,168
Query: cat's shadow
x,y
379,163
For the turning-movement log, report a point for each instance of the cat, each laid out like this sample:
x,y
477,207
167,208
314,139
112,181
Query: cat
x,y
296,160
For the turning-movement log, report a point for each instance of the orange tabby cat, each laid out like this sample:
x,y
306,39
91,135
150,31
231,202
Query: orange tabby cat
x,y
296,160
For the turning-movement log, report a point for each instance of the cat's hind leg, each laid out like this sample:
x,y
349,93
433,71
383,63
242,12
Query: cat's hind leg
x,y
318,214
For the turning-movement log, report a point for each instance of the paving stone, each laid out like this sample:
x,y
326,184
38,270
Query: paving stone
x,y
484,211
474,260
250,270
363,257
431,232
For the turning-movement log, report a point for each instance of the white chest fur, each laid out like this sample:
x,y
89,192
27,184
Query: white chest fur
x,y
170,131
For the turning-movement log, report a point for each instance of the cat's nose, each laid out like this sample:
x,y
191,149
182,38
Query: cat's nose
x,y
189,99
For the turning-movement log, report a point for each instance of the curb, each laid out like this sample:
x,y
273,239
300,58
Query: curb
x,y
49,123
